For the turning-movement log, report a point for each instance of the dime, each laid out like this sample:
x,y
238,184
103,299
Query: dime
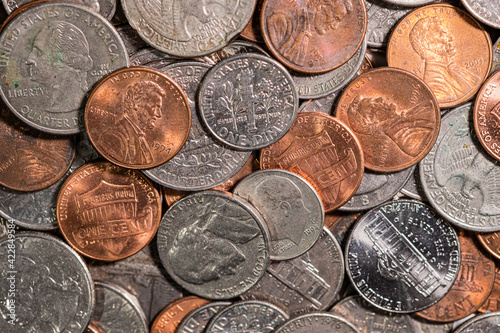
x,y
137,118
456,71
104,7
317,322
459,177
382,16
484,323
116,310
492,304
49,66
290,206
247,316
325,152
395,116
401,257
486,11
46,286
107,212
198,319
188,28
313,36
213,244
413,187
248,101
202,162
170,318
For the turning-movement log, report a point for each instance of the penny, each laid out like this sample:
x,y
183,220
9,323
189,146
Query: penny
x,y
253,30
31,160
107,212
368,319
433,42
104,7
325,152
491,242
188,28
202,162
248,101
488,12
471,288
197,320
137,118
304,284
313,36
213,244
117,311
93,329
382,16
169,319
484,323
492,304
317,322
49,66
459,177
46,285
395,116
291,208
401,257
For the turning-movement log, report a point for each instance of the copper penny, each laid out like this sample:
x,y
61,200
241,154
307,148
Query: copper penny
x,y
471,288
137,118
493,302
323,150
366,66
253,30
314,36
395,116
434,43
491,242
170,318
31,160
486,115
107,212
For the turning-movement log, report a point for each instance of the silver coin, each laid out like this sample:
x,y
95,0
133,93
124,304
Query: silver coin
x,y
188,28
232,49
486,323
248,101
247,316
459,178
198,319
133,43
486,11
117,311
413,187
106,8
214,245
320,85
401,257
307,283
202,162
147,56
317,322
496,57
382,17
377,188
45,286
424,326
49,66
324,104
368,319
411,3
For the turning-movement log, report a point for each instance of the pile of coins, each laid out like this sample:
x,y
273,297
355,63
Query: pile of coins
x,y
250,166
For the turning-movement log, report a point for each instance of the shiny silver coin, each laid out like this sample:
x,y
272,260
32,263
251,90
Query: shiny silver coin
x,y
486,323
106,8
401,257
459,178
188,28
214,245
248,101
197,320
486,11
411,3
317,322
247,316
45,284
117,311
382,16
202,162
413,187
49,66
324,104
304,284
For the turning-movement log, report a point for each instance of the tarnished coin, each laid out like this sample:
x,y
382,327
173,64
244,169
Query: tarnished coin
x,y
291,208
324,104
317,322
325,152
395,116
133,43
484,323
233,48
213,244
247,316
459,178
433,42
93,329
151,57
198,319
248,101
382,16
313,36
424,326
496,56
470,290
492,304
116,310
49,65
202,162
369,319
45,286
31,160
137,118
107,212
413,187
106,8
486,11
169,319
188,28
304,284
340,224
401,257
